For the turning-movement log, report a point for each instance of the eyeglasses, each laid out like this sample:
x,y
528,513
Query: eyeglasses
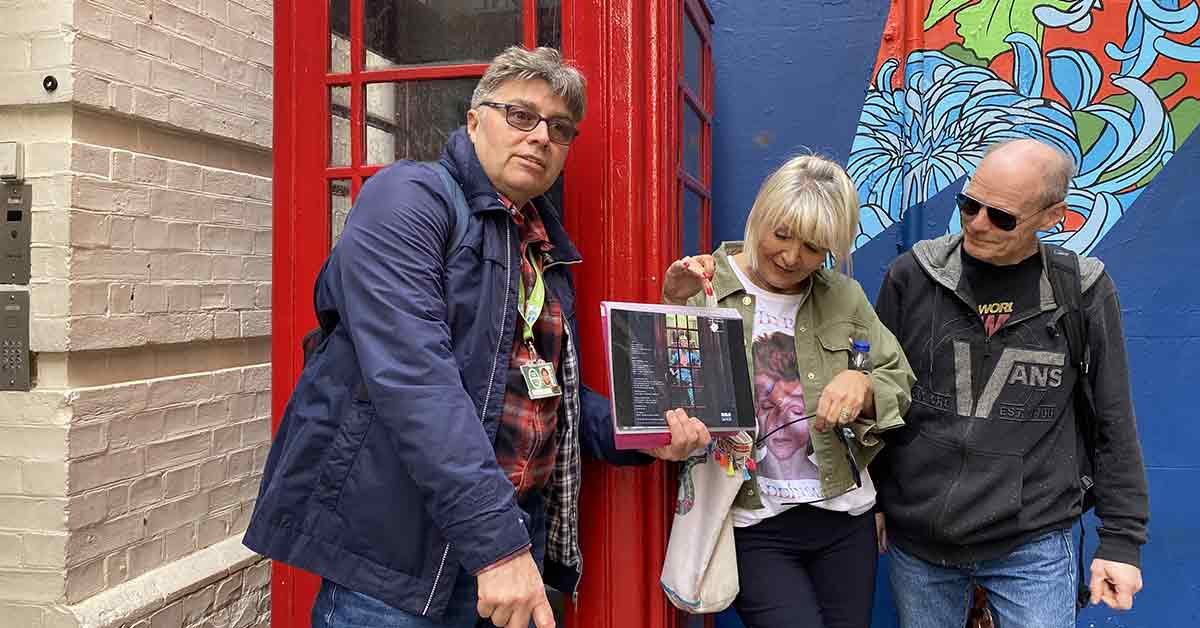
x,y
559,130
1002,218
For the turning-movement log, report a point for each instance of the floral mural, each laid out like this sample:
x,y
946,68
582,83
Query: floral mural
x,y
1116,85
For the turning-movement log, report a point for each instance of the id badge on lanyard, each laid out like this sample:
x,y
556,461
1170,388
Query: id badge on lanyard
x,y
540,379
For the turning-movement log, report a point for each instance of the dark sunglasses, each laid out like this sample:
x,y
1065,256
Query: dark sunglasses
x,y
1002,218
559,130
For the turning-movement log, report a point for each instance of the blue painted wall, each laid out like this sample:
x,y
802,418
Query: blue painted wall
x,y
791,75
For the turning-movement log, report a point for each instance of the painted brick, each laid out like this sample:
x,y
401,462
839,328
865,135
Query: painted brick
x,y
92,19
124,31
169,617
47,478
229,41
185,266
89,159
145,491
85,440
212,530
213,297
241,407
178,450
118,500
180,205
185,114
10,474
39,443
122,165
89,229
216,64
150,105
14,55
179,482
121,96
33,586
10,550
120,232
50,299
90,89
51,227
241,463
185,53
256,431
149,170
227,325
149,298
228,590
183,298
214,238
257,268
44,549
110,401
228,211
227,267
153,41
145,556
22,615
183,327
180,542
96,471
32,513
212,472
171,515
256,378
87,509
149,233
107,196
47,158
262,296
216,9
172,79
119,63
197,605
104,538
256,323
212,413
49,52
107,263
85,580
227,438
106,332
222,496
182,176
116,568
241,296
136,429
179,419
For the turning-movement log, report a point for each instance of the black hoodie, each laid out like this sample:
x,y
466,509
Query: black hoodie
x,y
987,458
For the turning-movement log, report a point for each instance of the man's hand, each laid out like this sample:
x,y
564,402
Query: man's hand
x,y
687,435
686,277
881,532
512,592
1115,583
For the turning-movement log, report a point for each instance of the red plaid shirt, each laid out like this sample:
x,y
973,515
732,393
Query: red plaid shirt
x,y
525,443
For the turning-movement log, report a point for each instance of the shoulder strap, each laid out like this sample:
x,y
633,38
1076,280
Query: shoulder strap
x,y
462,211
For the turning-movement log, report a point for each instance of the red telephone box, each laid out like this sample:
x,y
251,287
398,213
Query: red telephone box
x,y
362,83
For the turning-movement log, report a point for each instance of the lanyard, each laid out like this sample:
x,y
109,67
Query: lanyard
x,y
530,308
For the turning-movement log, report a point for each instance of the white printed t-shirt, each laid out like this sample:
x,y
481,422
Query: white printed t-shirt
x,y
787,469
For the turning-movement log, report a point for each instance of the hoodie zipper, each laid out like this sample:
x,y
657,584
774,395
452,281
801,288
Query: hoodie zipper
x,y
487,398
962,448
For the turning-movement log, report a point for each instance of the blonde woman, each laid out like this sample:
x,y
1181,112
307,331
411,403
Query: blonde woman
x,y
805,536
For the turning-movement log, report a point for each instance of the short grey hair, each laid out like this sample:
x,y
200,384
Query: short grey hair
x,y
1059,173
546,64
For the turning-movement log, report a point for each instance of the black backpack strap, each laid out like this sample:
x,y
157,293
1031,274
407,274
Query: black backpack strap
x,y
1063,268
461,210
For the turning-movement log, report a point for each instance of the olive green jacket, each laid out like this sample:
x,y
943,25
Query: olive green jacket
x,y
833,310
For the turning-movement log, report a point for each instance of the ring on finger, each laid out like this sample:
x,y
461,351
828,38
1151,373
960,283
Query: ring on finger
x,y
844,415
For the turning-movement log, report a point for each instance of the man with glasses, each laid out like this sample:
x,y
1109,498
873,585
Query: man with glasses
x,y
423,467
982,485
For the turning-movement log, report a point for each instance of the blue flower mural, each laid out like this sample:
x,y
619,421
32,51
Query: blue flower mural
x,y
918,135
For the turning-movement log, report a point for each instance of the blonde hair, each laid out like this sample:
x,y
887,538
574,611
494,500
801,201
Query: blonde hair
x,y
815,200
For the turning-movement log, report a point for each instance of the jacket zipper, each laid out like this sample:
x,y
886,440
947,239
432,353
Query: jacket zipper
x,y
487,397
962,448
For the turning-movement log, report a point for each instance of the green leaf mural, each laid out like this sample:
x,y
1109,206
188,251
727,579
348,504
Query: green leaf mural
x,y
983,24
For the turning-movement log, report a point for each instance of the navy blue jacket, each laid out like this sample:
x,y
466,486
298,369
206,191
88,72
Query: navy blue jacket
x,y
373,492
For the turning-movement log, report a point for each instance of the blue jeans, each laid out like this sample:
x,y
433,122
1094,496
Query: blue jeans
x,y
1032,587
339,607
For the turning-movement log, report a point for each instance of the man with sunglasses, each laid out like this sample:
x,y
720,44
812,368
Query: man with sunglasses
x,y
423,467
982,485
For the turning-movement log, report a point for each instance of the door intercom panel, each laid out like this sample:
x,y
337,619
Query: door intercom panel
x,y
15,238
14,341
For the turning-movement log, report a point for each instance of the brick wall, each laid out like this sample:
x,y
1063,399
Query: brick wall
x,y
128,474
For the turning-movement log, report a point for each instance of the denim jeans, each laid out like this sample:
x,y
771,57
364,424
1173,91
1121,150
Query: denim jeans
x,y
339,607
1032,587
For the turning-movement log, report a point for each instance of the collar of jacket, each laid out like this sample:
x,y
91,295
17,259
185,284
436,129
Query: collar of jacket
x,y
940,258
460,159
725,282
